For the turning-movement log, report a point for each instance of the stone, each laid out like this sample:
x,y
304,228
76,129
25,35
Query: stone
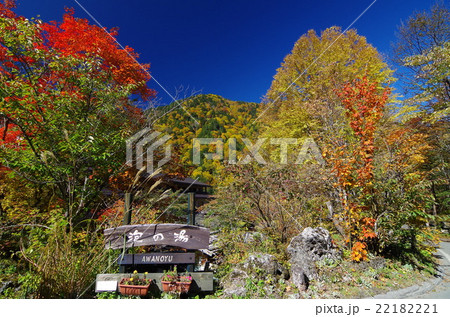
x,y
213,247
299,278
265,264
312,245
256,266
234,283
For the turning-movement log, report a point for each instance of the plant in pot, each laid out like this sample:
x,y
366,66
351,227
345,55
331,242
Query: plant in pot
x,y
135,285
169,280
184,283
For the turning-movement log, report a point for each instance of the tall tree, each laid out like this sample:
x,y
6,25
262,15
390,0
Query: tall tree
x,y
422,31
364,102
64,105
303,102
421,53
309,76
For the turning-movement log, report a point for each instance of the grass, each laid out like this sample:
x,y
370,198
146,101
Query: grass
x,y
360,280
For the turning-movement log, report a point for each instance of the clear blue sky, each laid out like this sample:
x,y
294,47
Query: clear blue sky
x,y
226,47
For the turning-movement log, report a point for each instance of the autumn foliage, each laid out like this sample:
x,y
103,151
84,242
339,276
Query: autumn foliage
x,y
76,37
352,162
65,112
65,106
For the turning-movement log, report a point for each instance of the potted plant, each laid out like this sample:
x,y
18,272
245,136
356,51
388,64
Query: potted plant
x,y
169,280
184,283
135,285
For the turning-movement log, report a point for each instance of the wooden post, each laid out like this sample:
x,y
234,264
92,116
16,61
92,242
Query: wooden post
x,y
191,209
127,214
126,220
191,220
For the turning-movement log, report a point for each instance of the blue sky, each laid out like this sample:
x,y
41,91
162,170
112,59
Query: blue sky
x,y
230,48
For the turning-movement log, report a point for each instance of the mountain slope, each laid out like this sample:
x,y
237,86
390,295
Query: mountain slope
x,y
215,117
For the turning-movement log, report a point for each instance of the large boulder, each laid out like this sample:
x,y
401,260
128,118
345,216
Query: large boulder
x,y
312,245
257,266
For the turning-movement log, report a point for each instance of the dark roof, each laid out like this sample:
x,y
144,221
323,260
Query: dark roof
x,y
182,181
204,196
188,181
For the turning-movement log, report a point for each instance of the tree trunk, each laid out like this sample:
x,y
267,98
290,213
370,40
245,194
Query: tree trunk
x,y
336,223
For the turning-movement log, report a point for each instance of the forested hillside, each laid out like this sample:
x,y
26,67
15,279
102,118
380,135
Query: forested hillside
x,y
215,117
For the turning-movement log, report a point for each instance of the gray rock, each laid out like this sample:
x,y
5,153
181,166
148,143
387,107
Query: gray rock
x,y
256,266
299,278
213,247
376,263
234,283
312,245
264,264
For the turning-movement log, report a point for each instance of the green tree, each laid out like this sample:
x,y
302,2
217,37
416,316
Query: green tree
x,y
432,83
218,117
422,52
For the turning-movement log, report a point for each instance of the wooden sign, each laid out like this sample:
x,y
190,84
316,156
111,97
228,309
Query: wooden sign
x,y
157,258
184,236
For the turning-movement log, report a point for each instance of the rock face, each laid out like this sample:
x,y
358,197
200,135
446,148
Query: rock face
x,y
312,245
256,266
266,264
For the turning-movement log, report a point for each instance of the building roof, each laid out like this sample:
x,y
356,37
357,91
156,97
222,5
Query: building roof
x,y
188,181
180,180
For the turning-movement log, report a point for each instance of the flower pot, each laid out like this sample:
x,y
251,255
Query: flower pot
x,y
168,286
183,287
135,290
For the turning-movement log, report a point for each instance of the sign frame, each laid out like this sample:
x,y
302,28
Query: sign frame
x,y
178,235
157,258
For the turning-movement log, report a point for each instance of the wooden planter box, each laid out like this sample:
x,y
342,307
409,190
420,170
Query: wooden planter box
x,y
168,287
183,287
175,287
135,290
